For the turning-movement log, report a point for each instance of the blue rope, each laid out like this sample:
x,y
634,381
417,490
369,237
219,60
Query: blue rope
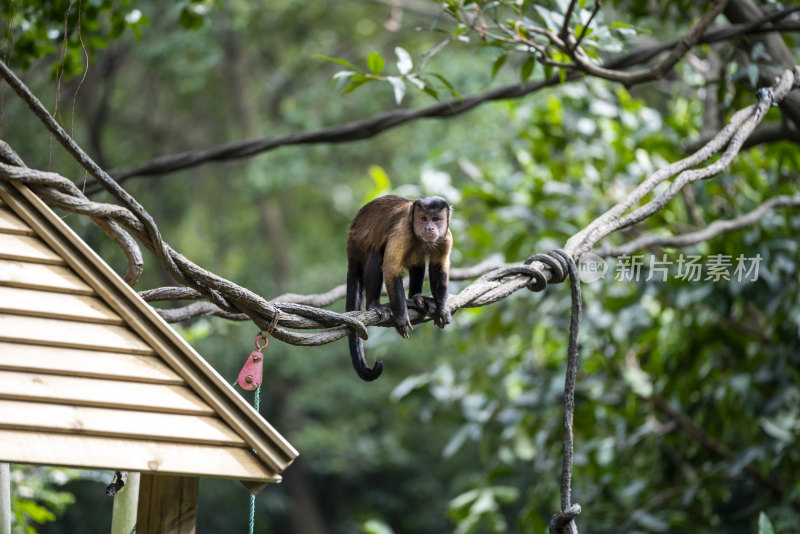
x,y
257,406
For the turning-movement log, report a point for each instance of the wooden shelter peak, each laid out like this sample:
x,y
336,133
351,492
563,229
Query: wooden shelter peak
x,y
92,377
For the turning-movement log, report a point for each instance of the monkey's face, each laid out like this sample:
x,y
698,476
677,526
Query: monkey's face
x,y
430,226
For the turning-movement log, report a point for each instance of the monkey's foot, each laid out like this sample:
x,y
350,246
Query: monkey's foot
x,y
442,317
424,304
401,323
382,310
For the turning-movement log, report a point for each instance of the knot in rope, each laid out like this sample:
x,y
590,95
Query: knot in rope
x,y
563,522
558,261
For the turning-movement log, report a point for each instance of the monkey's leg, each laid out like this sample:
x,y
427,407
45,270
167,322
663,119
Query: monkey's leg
x,y
397,304
439,281
416,274
373,280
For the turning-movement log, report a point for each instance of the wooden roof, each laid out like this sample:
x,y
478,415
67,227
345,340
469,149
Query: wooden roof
x,y
92,377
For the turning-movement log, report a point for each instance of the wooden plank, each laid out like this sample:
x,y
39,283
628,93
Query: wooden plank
x,y
88,363
146,484
56,305
61,333
91,452
27,248
169,505
82,391
190,489
106,422
11,224
42,276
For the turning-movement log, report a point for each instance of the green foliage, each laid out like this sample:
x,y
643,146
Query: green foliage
x,y
34,499
33,29
349,80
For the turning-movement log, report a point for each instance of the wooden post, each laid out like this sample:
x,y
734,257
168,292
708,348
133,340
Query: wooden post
x,y
5,498
167,504
123,517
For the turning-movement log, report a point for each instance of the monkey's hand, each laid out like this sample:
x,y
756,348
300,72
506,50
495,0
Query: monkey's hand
x,y
442,316
424,304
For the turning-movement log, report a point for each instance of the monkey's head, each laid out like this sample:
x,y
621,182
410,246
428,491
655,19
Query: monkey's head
x,y
430,218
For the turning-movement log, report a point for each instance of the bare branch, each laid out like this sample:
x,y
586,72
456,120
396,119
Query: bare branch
x,y
655,72
585,29
567,17
366,128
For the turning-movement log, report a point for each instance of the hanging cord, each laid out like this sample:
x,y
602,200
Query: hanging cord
x,y
257,406
561,264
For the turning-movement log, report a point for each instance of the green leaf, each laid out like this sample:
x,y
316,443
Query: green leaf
x,y
527,69
447,84
356,81
374,526
192,17
380,177
431,91
375,62
338,60
498,63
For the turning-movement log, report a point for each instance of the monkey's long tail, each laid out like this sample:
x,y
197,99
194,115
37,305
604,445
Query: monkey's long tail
x,y
360,363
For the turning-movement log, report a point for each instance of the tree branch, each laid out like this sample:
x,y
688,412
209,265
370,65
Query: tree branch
x,y
367,128
655,72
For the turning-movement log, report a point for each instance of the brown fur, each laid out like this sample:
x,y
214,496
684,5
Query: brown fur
x,y
383,224
388,236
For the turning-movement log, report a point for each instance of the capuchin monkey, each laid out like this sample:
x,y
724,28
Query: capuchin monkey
x,y
388,236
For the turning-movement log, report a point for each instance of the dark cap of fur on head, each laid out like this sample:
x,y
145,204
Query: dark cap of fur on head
x,y
432,203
